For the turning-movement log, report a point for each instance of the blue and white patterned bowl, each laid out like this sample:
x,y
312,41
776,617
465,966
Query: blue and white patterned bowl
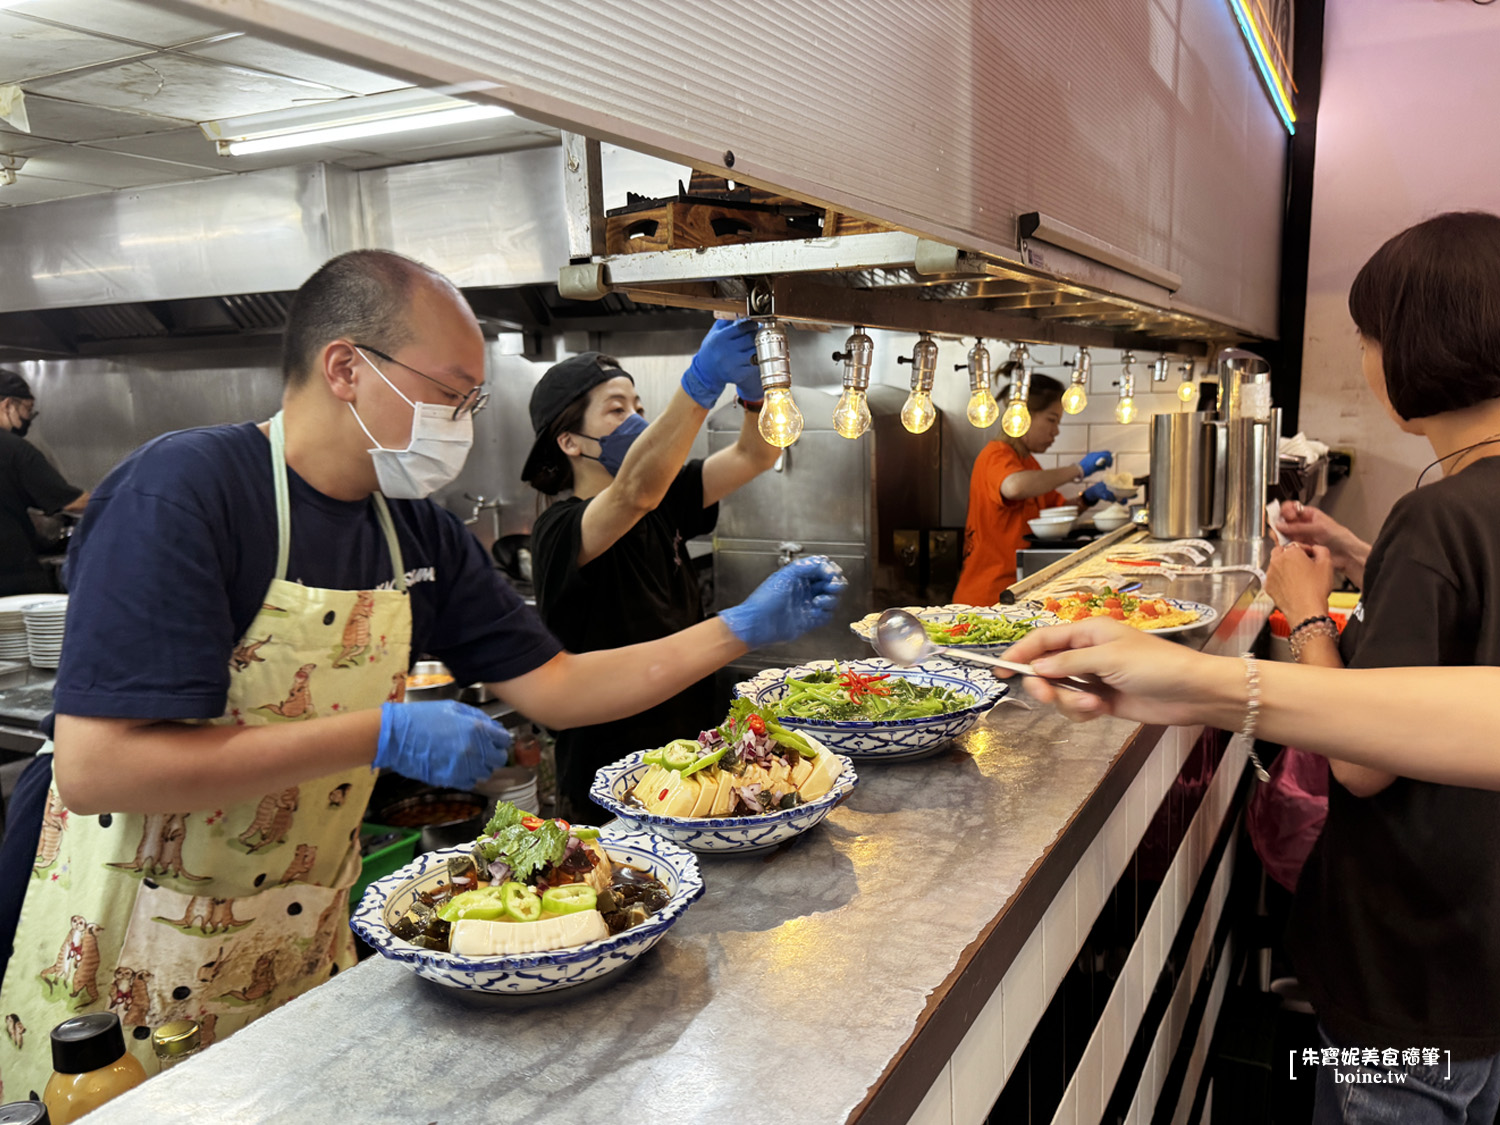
x,y
717,835
888,740
864,628
386,899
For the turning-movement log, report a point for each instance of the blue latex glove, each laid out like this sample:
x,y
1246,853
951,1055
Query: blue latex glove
x,y
1097,492
797,598
727,355
442,743
1093,462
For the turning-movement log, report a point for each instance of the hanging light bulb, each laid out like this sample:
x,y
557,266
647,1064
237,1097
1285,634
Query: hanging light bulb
x,y
851,417
1187,390
1075,398
1125,409
780,420
1017,419
918,414
983,409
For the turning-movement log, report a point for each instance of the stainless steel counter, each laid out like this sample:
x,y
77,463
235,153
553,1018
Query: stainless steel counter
x,y
824,982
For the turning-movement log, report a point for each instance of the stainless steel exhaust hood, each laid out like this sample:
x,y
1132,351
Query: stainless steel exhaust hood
x,y
220,258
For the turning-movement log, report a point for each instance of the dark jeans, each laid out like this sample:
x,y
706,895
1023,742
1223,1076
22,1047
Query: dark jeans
x,y
1467,1093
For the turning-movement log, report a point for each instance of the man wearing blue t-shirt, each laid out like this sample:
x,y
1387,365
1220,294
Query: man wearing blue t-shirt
x,y
246,602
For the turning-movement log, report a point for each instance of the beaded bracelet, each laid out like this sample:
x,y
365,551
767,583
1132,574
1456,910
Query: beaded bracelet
x,y
1315,627
1314,620
1252,712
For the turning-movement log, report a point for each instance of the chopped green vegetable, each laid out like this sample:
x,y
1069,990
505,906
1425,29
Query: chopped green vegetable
x,y
680,753
704,762
522,904
652,757
526,851
978,629
569,898
506,814
485,904
828,696
584,832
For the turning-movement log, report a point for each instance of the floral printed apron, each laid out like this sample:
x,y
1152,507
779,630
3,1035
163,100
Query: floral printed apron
x,y
218,914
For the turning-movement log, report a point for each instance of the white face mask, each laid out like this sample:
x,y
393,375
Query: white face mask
x,y
433,457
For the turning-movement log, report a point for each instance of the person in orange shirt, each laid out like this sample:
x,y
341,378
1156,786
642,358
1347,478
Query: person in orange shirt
x,y
1008,487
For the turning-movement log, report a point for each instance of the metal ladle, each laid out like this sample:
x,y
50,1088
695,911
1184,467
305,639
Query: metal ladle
x,y
901,638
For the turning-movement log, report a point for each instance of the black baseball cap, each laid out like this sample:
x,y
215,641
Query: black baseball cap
x,y
13,386
562,385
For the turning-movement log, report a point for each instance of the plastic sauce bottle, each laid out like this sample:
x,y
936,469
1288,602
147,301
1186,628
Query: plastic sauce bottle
x,y
173,1042
90,1066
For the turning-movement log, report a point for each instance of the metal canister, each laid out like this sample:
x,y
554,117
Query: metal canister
x,y
1187,452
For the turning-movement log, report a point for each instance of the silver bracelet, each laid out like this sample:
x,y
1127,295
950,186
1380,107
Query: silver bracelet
x,y
1252,712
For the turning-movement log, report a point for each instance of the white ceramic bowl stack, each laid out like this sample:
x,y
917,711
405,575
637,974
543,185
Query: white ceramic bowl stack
x,y
46,618
13,627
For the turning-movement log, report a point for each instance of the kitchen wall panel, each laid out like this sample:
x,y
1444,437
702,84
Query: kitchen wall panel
x,y
1140,122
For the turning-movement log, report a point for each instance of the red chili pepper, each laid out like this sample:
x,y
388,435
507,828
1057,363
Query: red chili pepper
x,y
531,823
960,629
756,724
662,796
859,685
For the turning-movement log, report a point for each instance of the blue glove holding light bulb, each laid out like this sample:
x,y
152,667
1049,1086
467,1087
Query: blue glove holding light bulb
x,y
726,356
796,599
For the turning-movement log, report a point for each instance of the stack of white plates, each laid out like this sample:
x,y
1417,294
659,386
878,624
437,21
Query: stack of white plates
x,y
13,626
516,784
45,618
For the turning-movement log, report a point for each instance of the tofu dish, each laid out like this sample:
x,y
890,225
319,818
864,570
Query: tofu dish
x,y
750,765
530,885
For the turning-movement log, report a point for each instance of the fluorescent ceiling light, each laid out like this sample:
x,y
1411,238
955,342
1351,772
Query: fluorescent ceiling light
x,y
347,119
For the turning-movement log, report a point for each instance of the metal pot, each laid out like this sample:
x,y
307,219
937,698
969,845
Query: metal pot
x,y
447,690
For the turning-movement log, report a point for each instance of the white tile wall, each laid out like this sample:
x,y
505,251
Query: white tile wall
x,y
967,1088
937,1106
978,1068
1060,933
1025,999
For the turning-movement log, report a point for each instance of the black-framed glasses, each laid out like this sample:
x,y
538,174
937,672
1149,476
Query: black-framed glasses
x,y
472,400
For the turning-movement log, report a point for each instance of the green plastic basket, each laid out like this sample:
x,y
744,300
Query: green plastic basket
x,y
390,857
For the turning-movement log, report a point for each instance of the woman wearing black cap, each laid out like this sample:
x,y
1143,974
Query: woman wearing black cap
x,y
27,480
610,562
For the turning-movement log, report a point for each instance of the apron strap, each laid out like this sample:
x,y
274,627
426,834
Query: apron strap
x,y
283,504
284,510
384,514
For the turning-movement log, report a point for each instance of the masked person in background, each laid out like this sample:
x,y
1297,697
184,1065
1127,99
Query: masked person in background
x,y
1008,487
27,481
247,600
610,561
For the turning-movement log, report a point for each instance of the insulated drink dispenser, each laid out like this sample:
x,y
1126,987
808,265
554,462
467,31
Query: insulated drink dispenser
x,y
1187,475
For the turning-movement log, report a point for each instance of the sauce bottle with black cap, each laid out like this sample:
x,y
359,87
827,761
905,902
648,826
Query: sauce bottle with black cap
x,y
90,1066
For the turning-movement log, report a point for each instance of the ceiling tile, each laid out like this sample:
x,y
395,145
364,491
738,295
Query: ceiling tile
x,y
246,50
506,142
29,49
34,189
127,19
106,169
58,120
179,86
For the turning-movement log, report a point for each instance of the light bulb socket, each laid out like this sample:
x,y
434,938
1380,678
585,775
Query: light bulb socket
x,y
1083,366
1020,382
1127,383
1161,370
858,352
773,356
924,356
979,368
